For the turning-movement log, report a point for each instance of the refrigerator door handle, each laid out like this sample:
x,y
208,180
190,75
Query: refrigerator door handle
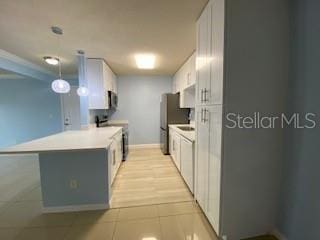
x,y
201,96
205,95
201,114
205,116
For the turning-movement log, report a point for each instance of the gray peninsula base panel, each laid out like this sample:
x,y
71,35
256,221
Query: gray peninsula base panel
x,y
74,180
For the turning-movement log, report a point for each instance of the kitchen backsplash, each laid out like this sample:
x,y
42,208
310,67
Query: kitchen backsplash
x,y
99,112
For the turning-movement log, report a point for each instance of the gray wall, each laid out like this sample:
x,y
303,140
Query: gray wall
x,y
256,78
139,102
58,168
299,214
29,109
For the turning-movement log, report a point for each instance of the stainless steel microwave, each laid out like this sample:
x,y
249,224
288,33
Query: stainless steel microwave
x,y
113,100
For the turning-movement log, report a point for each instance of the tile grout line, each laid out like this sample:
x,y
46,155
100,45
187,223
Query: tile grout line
x,y
115,225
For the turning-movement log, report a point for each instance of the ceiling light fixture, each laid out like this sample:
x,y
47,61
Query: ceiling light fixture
x,y
59,85
145,61
51,60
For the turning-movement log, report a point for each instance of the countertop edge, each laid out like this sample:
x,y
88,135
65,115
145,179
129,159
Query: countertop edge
x,y
181,132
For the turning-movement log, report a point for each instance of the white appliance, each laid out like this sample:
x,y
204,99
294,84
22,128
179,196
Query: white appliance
x,y
187,162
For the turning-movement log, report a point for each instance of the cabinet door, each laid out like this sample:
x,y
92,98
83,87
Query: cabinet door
x,y
184,75
202,157
96,84
170,142
202,60
214,118
174,84
178,81
192,69
176,149
187,163
107,77
113,161
119,150
115,85
215,96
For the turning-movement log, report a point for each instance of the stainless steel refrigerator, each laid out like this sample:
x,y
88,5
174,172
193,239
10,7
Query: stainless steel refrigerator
x,y
170,113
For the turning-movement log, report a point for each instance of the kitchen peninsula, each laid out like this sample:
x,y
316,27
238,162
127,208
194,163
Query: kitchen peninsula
x,y
75,168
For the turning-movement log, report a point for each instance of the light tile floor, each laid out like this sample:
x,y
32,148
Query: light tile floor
x,y
148,177
167,215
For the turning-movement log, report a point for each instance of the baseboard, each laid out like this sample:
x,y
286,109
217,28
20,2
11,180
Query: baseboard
x,y
278,235
157,145
75,208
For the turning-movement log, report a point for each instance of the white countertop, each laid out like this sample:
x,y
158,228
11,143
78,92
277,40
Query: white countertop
x,y
118,122
190,135
93,138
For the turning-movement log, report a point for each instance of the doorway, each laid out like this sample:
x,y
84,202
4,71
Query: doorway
x,y
70,110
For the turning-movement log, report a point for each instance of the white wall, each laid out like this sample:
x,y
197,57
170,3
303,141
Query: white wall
x,y
139,102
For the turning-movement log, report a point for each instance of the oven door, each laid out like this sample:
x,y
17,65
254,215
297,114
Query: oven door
x,y
125,145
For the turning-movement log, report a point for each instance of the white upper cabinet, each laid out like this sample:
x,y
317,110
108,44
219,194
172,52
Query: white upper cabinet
x,y
209,100
184,82
210,58
216,54
203,58
114,83
191,81
101,79
174,84
185,77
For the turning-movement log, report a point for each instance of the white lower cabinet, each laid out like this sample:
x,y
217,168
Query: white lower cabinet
x,y
170,142
112,161
202,156
187,162
115,155
182,154
208,162
176,149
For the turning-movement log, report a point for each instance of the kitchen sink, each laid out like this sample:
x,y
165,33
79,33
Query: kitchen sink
x,y
186,128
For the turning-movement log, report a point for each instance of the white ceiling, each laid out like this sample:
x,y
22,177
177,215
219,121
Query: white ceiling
x,y
111,29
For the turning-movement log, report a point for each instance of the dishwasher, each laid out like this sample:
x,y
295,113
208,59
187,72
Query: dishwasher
x,y
187,162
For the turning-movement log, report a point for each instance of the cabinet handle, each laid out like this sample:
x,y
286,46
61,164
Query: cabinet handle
x,y
205,95
201,95
205,119
202,115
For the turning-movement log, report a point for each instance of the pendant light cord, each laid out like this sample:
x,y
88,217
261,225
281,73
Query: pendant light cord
x,y
59,52
58,31
60,70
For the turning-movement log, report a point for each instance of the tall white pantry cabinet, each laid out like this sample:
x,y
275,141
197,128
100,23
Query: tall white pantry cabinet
x,y
241,67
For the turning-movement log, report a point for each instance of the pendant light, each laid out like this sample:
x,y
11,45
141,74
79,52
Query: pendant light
x,y
59,85
83,91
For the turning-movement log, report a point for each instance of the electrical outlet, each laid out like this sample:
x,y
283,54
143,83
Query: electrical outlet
x,y
73,184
